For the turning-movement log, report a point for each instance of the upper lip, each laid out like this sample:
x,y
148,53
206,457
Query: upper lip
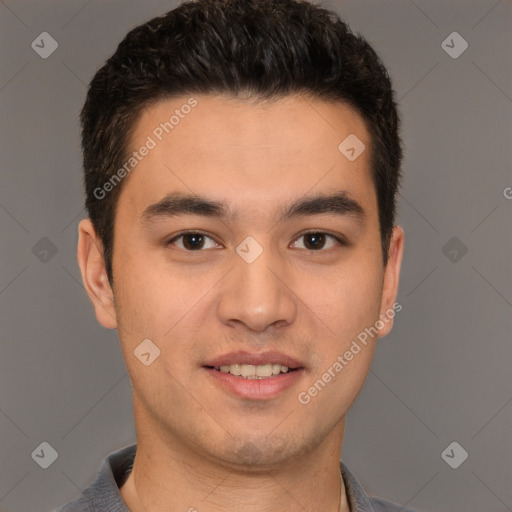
x,y
244,357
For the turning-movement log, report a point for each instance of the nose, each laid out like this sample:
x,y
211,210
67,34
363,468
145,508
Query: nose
x,y
258,294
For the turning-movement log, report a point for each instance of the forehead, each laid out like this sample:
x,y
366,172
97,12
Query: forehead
x,y
218,146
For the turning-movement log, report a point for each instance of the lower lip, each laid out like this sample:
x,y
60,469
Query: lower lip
x,y
256,389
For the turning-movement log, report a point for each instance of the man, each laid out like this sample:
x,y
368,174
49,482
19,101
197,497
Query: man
x,y
241,164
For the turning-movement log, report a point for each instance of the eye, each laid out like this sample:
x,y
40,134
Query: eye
x,y
192,241
316,240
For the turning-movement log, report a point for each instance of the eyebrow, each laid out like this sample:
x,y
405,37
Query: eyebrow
x,y
177,203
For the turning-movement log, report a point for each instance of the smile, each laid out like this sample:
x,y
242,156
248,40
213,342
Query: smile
x,y
250,371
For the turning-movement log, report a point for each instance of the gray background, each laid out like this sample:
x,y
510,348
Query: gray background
x,y
442,375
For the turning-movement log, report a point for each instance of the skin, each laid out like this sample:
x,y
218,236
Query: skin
x,y
308,303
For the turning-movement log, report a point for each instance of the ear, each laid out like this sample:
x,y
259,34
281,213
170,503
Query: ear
x,y
388,306
94,275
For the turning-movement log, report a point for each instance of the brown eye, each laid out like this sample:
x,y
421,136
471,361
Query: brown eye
x,y
317,240
191,241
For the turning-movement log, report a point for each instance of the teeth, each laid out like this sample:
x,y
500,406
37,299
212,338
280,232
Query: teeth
x,y
235,369
250,371
264,370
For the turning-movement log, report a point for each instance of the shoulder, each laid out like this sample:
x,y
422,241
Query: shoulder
x,y
81,504
103,493
360,501
380,505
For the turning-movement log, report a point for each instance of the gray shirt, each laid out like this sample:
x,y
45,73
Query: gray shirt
x,y
103,494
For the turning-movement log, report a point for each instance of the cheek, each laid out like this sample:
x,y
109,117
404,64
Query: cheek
x,y
167,304
141,295
346,300
346,309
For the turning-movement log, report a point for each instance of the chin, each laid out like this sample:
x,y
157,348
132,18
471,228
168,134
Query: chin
x,y
254,453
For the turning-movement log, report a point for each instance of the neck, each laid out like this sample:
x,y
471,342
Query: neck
x,y
168,476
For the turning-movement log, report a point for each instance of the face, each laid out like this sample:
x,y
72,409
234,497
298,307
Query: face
x,y
259,274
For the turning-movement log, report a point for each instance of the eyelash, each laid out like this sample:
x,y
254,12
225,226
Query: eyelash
x,y
340,241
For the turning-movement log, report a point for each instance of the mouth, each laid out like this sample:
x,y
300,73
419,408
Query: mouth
x,y
251,371
254,376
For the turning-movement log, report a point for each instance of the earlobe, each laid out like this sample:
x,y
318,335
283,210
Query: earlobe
x,y
94,276
388,307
